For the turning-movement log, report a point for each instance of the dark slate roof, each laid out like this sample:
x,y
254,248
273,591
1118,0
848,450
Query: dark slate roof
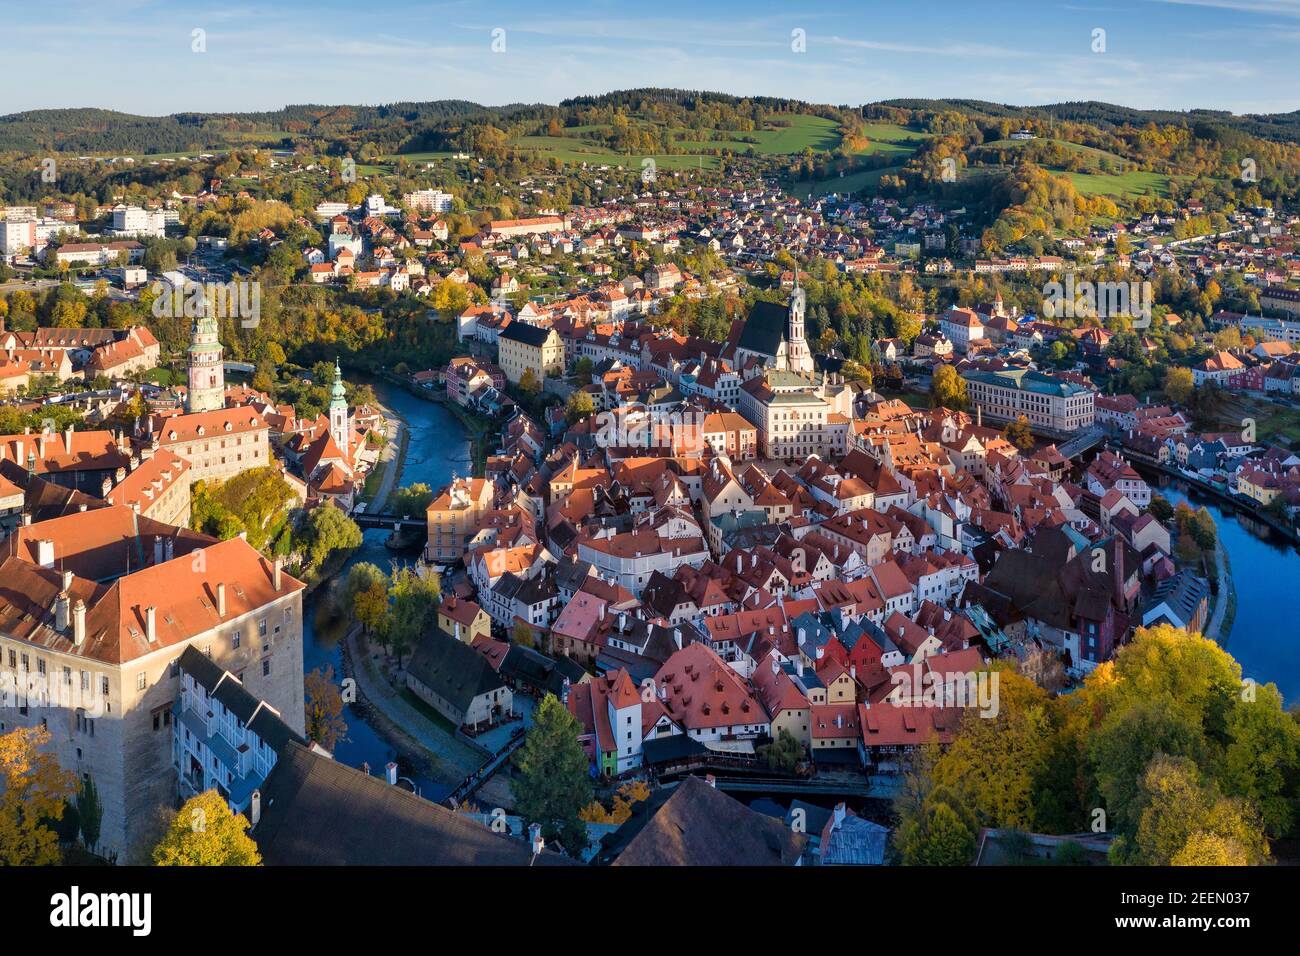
x,y
527,334
532,667
265,721
451,669
697,825
200,667
318,812
764,329
43,499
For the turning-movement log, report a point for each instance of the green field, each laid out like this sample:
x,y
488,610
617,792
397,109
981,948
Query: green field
x,y
848,183
1120,184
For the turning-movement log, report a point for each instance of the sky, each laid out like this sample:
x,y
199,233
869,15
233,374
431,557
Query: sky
x,y
141,56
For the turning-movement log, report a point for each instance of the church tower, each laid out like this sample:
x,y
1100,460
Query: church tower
x,y
797,356
339,430
207,378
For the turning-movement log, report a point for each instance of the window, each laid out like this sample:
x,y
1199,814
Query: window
x,y
235,638
266,667
141,681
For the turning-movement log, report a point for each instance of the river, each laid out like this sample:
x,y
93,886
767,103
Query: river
x,y
436,448
1265,575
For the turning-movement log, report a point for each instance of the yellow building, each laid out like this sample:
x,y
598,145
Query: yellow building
x,y
464,619
522,347
454,517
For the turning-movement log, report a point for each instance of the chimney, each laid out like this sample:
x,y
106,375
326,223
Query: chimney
x,y
776,666
150,625
169,548
67,580
221,599
853,671
78,623
390,773
158,550
45,553
27,519
711,780
838,815
67,440
255,807
535,838
61,611
798,665
276,567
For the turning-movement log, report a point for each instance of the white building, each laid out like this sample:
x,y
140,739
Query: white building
x,y
134,221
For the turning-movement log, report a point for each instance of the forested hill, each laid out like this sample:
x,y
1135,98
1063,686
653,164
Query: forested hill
x,y
1275,126
408,126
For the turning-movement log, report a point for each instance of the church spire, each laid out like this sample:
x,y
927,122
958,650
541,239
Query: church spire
x,y
339,428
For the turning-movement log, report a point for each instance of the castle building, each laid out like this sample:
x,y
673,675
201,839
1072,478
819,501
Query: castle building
x,y
97,610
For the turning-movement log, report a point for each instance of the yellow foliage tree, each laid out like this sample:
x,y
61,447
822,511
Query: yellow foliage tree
x,y
206,833
33,790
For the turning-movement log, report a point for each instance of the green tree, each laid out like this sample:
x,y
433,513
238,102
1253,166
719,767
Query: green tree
x,y
206,833
327,531
90,813
782,754
553,784
415,608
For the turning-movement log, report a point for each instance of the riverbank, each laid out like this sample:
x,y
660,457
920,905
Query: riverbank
x,y
1222,494
446,759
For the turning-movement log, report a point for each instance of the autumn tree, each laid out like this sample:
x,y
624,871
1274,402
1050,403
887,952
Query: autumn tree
x,y
522,634
553,784
324,707
1019,433
1185,818
34,790
947,389
1179,385
206,833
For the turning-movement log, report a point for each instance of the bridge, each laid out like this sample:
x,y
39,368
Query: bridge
x,y
1084,441
392,521
470,784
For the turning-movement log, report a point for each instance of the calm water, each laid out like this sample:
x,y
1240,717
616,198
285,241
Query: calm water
x,y
436,448
1264,638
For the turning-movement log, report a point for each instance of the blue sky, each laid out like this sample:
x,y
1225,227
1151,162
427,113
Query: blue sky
x,y
135,55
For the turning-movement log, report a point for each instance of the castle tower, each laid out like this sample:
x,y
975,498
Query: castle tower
x,y
339,430
207,377
797,356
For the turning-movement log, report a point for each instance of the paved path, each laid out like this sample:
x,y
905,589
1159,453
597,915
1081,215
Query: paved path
x,y
1225,593
454,759
392,454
